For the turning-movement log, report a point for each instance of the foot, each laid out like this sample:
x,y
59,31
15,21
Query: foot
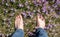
x,y
19,22
40,21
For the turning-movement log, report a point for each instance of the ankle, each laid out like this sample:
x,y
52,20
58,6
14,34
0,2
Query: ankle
x,y
20,28
40,27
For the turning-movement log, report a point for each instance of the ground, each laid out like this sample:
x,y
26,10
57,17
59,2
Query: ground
x,y
29,8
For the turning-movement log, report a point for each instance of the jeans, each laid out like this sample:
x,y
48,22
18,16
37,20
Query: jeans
x,y
39,33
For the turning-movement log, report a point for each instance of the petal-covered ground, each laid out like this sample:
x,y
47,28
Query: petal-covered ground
x,y
50,9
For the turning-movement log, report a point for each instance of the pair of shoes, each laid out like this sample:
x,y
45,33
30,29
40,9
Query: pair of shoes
x,y
39,19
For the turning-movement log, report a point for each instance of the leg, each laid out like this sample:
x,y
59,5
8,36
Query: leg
x,y
18,33
19,26
40,32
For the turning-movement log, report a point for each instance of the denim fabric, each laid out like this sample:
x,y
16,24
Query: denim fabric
x,y
39,33
18,33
